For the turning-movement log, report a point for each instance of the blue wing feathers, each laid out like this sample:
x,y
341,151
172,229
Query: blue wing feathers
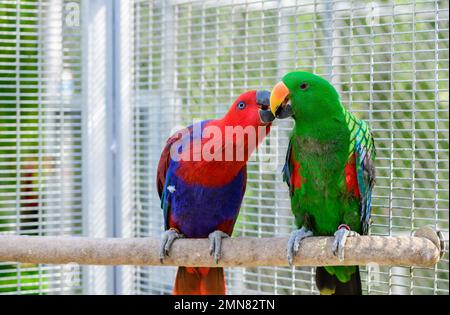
x,y
365,154
287,168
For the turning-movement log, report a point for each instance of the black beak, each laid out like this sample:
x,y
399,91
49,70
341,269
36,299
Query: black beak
x,y
284,112
263,101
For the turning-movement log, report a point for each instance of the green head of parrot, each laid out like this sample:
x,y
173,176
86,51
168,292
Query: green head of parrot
x,y
304,95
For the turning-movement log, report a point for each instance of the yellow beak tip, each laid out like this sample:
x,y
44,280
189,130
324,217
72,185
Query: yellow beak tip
x,y
277,96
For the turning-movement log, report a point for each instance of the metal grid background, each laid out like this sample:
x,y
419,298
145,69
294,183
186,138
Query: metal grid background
x,y
40,138
388,59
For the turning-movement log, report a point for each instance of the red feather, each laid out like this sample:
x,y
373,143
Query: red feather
x,y
199,281
227,226
200,172
296,177
351,178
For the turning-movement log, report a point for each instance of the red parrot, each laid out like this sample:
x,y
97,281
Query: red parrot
x,y
201,181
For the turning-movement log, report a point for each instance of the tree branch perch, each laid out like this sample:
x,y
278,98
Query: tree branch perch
x,y
422,250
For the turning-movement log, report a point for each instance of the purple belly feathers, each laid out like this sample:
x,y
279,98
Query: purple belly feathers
x,y
197,210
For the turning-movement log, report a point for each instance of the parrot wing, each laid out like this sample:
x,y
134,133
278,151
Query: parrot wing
x,y
291,173
163,179
362,147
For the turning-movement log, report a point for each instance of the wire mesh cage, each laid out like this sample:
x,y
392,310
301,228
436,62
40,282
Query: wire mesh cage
x,y
88,101
40,136
389,61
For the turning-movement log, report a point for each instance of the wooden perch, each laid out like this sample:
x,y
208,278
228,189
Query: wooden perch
x,y
422,250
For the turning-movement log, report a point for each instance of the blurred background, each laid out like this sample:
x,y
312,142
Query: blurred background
x,y
90,91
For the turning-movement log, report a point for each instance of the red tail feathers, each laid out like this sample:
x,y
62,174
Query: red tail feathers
x,y
199,281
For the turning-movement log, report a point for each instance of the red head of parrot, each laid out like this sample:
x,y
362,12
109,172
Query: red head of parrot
x,y
223,146
250,109
248,121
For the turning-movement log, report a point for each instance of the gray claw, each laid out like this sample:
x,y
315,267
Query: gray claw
x,y
167,240
294,242
215,244
340,238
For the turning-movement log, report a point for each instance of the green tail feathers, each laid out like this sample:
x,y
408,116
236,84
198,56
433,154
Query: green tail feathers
x,y
341,280
342,273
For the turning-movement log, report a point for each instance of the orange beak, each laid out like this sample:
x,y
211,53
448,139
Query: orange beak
x,y
278,97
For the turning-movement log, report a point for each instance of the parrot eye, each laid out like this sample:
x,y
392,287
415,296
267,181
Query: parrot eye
x,y
304,86
241,105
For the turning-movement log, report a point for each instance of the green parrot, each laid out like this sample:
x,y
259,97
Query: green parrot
x,y
329,170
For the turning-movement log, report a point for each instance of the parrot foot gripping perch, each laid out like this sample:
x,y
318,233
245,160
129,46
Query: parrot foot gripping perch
x,y
340,238
215,244
168,238
294,242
